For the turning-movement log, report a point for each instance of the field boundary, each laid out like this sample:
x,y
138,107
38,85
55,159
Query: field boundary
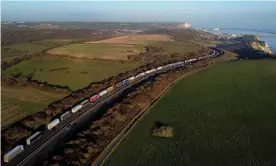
x,y
85,57
124,38
126,130
8,64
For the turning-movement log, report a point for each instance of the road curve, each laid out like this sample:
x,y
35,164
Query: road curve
x,y
31,152
115,142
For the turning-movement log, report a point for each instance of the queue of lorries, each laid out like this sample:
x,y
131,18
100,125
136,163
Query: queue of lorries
x,y
94,98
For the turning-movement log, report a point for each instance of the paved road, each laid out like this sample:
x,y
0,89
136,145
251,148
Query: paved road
x,y
45,143
106,152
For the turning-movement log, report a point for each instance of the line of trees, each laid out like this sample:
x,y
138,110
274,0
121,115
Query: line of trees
x,y
14,61
19,80
27,36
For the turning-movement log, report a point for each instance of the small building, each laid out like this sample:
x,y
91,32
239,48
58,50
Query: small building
x,y
185,25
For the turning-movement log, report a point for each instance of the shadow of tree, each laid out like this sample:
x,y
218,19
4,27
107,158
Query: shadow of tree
x,y
245,52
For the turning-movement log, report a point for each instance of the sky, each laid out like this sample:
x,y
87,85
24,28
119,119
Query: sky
x,y
220,14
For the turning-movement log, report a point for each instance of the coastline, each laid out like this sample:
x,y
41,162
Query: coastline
x,y
268,36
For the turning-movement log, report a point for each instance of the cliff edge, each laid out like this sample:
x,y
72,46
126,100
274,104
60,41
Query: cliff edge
x,y
261,46
253,41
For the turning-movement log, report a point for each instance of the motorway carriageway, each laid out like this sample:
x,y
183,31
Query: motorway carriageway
x,y
113,143
48,136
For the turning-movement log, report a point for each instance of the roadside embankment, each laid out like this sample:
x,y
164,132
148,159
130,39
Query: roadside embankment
x,y
89,142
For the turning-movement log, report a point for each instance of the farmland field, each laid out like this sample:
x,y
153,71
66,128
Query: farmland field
x,y
97,50
206,42
9,54
74,73
28,47
20,49
18,103
171,47
221,116
136,39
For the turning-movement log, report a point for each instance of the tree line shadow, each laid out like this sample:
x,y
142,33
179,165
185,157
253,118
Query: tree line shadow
x,y
247,53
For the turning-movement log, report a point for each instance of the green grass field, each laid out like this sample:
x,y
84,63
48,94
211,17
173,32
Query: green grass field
x,y
74,73
9,54
206,42
20,49
98,50
27,47
17,103
54,42
171,47
221,116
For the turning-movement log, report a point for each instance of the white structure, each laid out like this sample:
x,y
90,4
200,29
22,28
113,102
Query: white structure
x,y
185,25
53,124
11,154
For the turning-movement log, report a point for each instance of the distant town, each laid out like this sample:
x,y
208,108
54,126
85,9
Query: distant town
x,y
121,30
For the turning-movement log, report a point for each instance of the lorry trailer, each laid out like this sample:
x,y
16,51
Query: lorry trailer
x,y
76,108
159,68
103,92
148,71
109,89
84,102
65,115
94,98
131,79
14,152
119,84
125,82
53,124
33,137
